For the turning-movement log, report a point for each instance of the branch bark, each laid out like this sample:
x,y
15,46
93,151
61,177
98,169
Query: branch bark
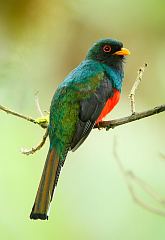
x,y
37,148
42,122
134,117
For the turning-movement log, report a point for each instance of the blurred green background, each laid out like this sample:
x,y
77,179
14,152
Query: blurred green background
x,y
40,42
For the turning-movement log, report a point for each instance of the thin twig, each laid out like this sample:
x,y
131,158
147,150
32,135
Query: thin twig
x,y
141,203
38,104
129,176
38,147
135,86
29,119
16,114
146,188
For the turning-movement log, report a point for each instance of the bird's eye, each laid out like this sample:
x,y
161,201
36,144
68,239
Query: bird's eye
x,y
107,48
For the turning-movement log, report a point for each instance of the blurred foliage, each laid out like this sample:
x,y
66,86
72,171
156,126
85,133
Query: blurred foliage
x,y
40,42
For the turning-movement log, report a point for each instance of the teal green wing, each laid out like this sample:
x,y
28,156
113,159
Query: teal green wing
x,y
90,109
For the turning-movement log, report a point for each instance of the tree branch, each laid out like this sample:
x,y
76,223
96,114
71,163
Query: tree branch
x,y
43,122
137,116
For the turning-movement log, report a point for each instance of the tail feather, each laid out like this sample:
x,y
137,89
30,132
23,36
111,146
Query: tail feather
x,y
46,187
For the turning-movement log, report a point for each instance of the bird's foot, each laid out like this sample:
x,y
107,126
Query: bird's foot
x,y
99,125
43,121
109,126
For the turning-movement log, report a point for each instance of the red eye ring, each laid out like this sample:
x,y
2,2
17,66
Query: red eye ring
x,y
107,48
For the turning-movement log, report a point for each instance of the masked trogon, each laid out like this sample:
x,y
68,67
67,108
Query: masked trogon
x,y
83,99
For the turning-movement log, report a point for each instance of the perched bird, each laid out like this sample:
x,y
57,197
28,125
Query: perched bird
x,y
83,99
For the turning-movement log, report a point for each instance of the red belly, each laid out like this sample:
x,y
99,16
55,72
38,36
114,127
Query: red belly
x,y
111,102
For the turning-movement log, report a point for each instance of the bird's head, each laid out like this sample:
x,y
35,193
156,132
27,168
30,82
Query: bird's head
x,y
108,51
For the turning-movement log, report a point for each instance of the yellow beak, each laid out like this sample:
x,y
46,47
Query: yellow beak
x,y
123,52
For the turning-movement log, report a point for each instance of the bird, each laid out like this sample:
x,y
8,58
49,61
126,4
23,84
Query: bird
x,y
87,94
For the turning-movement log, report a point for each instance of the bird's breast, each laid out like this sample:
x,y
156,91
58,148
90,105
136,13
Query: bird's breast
x,y
111,102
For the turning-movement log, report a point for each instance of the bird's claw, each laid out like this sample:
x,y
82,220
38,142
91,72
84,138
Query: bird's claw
x,y
43,121
108,127
98,125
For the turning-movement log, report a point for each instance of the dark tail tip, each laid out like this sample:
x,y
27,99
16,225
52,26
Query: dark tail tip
x,y
41,216
35,216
